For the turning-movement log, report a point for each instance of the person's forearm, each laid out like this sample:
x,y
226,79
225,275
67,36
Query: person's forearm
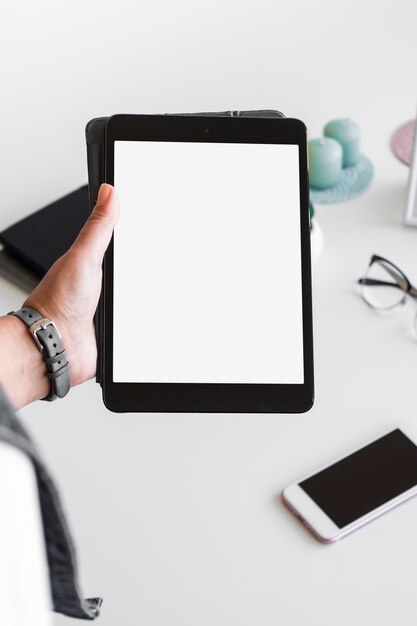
x,y
68,294
22,366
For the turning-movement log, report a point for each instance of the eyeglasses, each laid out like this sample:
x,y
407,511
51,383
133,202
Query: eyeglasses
x,y
385,286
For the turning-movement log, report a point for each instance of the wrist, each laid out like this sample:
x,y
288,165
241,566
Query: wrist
x,y
23,372
49,341
77,334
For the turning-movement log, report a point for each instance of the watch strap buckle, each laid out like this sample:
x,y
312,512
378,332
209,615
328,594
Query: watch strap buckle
x,y
43,323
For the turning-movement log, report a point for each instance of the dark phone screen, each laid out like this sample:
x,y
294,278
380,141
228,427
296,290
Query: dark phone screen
x,y
366,479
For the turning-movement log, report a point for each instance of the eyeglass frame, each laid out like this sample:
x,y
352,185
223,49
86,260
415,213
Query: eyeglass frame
x,y
408,288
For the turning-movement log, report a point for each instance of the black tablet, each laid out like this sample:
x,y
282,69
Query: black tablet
x,y
207,281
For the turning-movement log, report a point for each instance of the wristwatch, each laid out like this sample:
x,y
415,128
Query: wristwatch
x,y
48,340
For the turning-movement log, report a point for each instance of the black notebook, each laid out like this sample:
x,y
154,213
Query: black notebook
x,y
34,243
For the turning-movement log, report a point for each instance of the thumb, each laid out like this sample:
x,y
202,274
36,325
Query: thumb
x,y
96,233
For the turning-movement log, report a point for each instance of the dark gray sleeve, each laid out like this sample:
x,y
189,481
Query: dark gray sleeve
x,y
59,546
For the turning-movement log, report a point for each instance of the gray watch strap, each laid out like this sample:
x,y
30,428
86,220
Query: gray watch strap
x,y
48,340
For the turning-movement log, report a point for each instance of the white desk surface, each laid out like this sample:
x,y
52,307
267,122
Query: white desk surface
x,y
176,517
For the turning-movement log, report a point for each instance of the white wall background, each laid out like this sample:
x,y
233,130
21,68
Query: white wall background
x,y
65,62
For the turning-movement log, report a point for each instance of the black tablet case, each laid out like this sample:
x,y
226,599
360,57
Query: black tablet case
x,y
95,133
34,243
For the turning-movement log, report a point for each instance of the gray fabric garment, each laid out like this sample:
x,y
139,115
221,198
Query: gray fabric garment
x,y
60,549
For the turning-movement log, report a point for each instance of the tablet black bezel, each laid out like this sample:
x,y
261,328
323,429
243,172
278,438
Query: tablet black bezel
x,y
210,397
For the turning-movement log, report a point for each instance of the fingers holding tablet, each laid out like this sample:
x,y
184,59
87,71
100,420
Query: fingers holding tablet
x,y
96,233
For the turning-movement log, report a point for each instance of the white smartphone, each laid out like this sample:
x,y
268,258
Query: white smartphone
x,y
357,488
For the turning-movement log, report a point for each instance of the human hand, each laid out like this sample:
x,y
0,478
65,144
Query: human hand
x,y
69,293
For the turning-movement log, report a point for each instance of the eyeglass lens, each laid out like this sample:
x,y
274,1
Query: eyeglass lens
x,y
383,287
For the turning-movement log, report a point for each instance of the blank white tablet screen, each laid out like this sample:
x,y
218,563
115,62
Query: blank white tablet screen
x,y
207,263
